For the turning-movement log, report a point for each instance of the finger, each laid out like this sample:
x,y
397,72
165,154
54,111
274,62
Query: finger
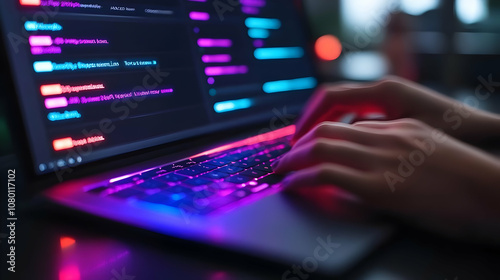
x,y
328,151
380,125
374,124
338,131
339,98
351,180
340,115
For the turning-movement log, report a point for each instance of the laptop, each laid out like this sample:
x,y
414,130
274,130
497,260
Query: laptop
x,y
167,115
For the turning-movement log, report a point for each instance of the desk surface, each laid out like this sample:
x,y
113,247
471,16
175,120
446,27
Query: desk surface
x,y
55,245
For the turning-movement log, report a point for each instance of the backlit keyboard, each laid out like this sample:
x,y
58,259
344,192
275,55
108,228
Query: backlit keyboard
x,y
206,183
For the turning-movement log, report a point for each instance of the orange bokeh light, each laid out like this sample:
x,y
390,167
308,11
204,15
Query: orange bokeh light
x,y
66,242
328,47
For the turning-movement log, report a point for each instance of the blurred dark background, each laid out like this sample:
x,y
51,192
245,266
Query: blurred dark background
x,y
449,42
452,46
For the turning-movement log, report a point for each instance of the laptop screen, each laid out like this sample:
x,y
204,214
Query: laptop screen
x,y
96,79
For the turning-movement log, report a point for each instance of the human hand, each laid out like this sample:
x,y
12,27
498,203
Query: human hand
x,y
398,98
402,166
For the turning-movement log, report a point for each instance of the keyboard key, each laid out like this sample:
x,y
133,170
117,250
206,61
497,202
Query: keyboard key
x,y
178,165
127,193
179,189
203,194
153,173
238,179
189,172
223,186
259,188
185,203
247,163
218,162
207,167
266,167
230,169
171,178
248,153
234,157
264,157
194,170
215,175
253,173
151,184
197,182
165,198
